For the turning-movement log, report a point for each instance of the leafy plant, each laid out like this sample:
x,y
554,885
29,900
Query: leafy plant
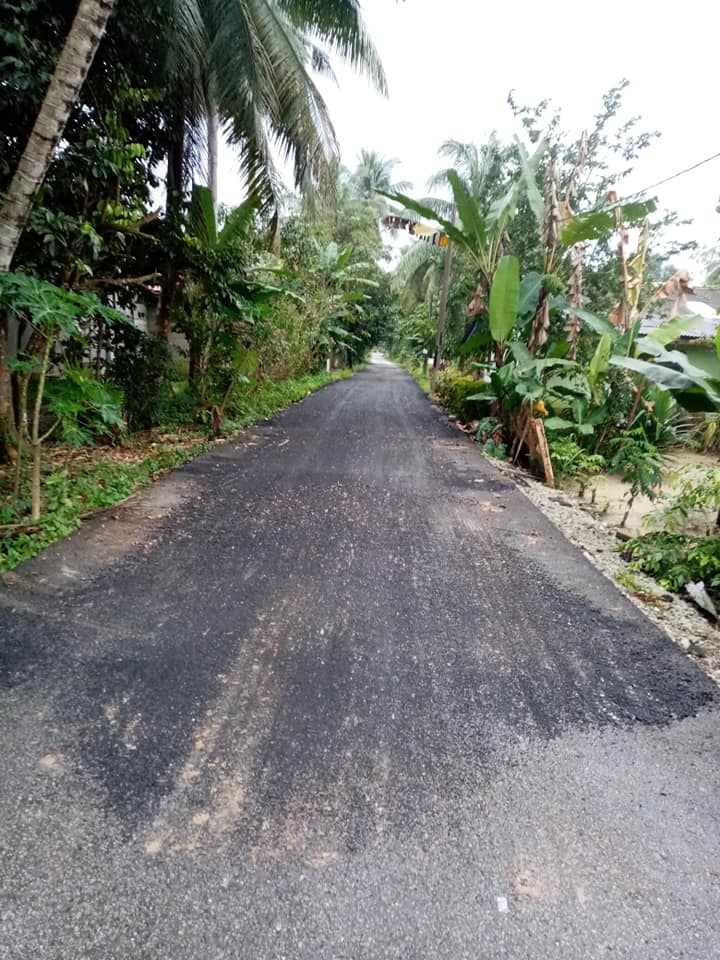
x,y
458,395
54,313
695,504
706,434
141,366
570,461
498,451
85,408
662,419
675,559
637,461
488,427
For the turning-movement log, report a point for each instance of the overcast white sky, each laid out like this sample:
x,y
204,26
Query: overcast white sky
x,y
451,63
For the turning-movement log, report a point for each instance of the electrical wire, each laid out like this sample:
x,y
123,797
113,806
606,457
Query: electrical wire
x,y
680,173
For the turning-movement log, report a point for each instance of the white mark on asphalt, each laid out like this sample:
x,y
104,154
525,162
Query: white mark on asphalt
x,y
502,904
53,763
283,443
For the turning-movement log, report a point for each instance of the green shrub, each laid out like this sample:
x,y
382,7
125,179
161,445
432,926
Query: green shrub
x,y
637,461
85,409
498,451
454,391
570,461
695,506
488,427
142,367
675,559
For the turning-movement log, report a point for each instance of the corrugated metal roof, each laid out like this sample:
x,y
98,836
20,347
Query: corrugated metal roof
x,y
704,304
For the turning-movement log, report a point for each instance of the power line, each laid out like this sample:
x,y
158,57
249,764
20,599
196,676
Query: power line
x,y
680,173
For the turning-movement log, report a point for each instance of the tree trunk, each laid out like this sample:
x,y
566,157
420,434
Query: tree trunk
x,y
35,439
174,184
80,47
7,416
213,133
442,314
35,498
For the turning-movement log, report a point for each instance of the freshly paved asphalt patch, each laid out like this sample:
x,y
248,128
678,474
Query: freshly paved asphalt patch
x,y
338,690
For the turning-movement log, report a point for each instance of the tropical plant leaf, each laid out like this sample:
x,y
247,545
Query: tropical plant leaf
x,y
670,330
530,287
238,222
528,168
343,258
682,377
596,224
600,360
429,214
468,211
504,298
597,324
570,382
202,216
558,423
521,353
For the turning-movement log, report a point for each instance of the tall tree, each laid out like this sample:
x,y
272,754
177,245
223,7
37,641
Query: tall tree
x,y
374,174
253,63
248,69
80,48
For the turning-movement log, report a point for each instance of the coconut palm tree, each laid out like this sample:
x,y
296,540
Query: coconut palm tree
x,y
482,170
374,175
248,66
248,70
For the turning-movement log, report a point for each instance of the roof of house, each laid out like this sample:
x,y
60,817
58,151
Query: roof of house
x,y
704,303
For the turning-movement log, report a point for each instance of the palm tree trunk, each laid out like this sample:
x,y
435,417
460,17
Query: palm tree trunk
x,y
80,47
442,315
213,133
174,186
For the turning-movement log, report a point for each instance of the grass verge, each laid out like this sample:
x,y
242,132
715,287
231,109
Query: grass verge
x,y
79,482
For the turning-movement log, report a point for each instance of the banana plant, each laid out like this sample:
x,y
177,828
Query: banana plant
x,y
340,287
480,234
648,355
525,379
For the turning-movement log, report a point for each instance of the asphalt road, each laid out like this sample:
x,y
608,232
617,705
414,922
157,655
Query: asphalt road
x,y
338,690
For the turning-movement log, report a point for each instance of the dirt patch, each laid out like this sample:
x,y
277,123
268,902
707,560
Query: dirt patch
x,y
611,492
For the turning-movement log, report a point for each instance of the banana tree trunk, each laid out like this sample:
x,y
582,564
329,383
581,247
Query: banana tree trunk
x,y
80,47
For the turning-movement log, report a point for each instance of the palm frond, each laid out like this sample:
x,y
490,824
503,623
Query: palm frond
x,y
266,94
340,25
446,208
413,264
202,216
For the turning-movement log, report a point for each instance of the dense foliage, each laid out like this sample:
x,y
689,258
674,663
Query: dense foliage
x,y
135,301
554,313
